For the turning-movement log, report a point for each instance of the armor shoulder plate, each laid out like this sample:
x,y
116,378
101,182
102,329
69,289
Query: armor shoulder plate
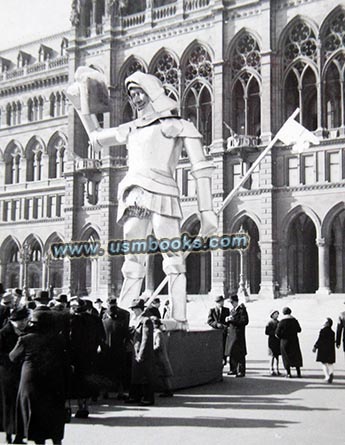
x,y
189,130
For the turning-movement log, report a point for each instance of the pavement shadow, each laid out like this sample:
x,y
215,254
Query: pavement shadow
x,y
204,421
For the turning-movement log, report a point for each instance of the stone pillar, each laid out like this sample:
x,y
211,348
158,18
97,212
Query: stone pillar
x,y
283,269
149,275
339,267
323,267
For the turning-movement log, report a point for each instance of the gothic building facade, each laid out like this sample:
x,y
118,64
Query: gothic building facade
x,y
238,69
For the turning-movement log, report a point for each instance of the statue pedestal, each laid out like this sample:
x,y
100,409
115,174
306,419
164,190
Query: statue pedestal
x,y
195,356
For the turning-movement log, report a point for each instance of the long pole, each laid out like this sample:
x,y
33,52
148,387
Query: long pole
x,y
230,196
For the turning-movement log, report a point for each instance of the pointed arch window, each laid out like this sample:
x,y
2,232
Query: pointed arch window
x,y
198,65
165,68
56,154
333,47
245,69
301,91
34,163
198,109
12,165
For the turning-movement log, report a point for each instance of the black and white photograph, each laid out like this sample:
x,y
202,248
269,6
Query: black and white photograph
x,y
172,222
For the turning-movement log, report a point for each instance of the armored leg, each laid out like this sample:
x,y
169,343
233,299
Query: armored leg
x,y
133,269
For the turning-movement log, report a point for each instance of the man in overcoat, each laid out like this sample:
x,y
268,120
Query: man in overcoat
x,y
236,337
116,327
141,390
216,319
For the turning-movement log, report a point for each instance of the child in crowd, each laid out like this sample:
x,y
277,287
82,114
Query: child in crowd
x,y
273,342
163,369
325,347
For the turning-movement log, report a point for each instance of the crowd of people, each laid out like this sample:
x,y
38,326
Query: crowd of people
x,y
54,349
282,339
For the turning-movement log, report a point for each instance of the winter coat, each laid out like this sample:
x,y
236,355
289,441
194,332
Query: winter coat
x,y
287,331
273,341
142,358
325,346
236,336
41,395
116,327
9,379
162,363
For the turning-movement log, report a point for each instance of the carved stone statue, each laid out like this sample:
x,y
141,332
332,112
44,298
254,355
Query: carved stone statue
x,y
148,196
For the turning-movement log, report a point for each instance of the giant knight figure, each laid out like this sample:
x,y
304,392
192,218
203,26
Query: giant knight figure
x,y
148,196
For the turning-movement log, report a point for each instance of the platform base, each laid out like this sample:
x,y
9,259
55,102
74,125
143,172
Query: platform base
x,y
196,357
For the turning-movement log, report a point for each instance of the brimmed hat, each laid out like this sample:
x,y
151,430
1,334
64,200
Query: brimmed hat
x,y
61,298
7,297
99,301
42,296
137,303
19,313
18,292
153,88
42,318
112,301
219,298
234,297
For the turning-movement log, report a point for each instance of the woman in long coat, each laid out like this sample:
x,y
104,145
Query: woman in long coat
x,y
41,396
163,368
141,390
10,372
325,347
287,331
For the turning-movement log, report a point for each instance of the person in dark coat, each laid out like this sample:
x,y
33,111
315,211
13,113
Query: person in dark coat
x,y
10,372
98,304
287,331
216,319
235,346
273,342
341,331
325,347
6,306
163,369
86,338
141,390
153,309
116,327
41,395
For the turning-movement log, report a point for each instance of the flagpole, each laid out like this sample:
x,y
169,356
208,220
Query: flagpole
x,y
231,195
253,167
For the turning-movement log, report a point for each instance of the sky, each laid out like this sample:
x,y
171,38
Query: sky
x,y
22,21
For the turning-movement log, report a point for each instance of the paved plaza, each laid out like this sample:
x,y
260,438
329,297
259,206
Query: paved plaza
x,y
258,409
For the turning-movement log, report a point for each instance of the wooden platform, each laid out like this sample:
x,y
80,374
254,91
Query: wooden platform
x,y
196,357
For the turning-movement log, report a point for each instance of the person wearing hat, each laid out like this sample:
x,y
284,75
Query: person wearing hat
x,y
163,368
6,305
41,394
216,319
235,346
141,390
42,300
273,342
116,327
148,196
98,304
287,331
86,338
153,309
10,372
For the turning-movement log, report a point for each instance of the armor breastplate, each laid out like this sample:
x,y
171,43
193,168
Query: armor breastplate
x,y
152,160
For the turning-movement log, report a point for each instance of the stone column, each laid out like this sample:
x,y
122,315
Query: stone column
x,y
339,267
323,267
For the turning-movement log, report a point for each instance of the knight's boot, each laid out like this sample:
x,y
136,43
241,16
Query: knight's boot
x,y
175,269
133,274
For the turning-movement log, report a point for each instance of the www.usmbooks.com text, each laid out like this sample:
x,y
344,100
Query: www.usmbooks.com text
x,y
151,245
